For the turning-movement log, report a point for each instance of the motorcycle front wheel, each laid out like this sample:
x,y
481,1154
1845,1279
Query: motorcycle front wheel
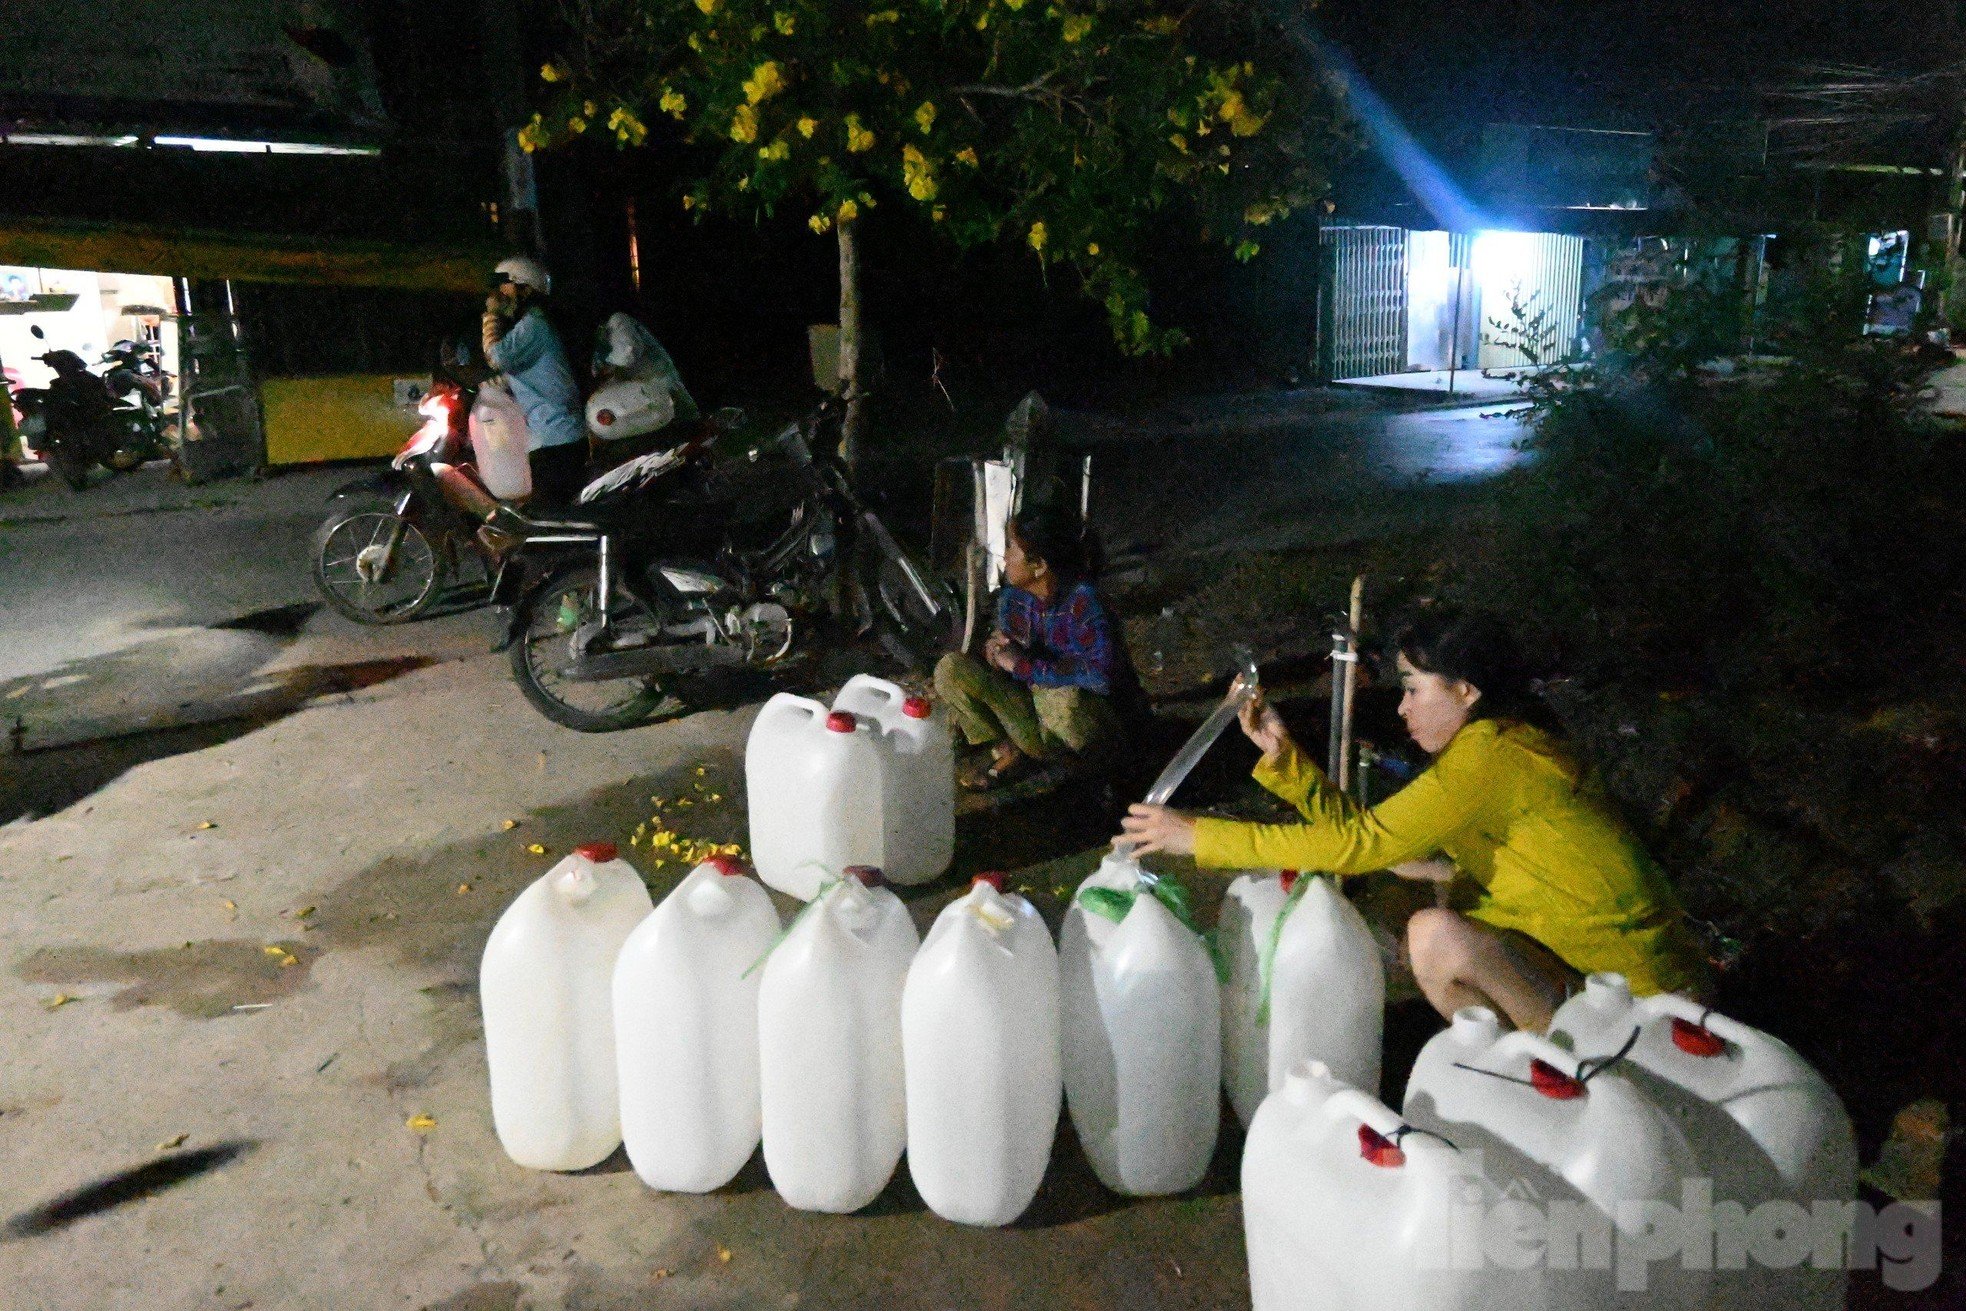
x,y
543,654
69,464
928,625
375,566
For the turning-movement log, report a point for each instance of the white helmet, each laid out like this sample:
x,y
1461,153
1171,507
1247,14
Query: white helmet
x,y
525,272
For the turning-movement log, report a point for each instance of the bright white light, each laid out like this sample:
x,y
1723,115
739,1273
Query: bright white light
x,y
1504,259
66,139
227,145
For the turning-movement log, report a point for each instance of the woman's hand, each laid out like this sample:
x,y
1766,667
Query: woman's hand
x,y
1262,725
1156,828
1003,653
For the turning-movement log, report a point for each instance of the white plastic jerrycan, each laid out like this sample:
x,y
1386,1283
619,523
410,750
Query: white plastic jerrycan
x,y
1321,974
1588,1126
814,783
1346,1206
829,1040
499,438
546,987
979,1031
1765,1125
1140,1012
919,788
686,1029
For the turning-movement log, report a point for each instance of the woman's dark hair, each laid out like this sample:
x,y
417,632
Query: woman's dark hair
x,y
1475,647
1054,538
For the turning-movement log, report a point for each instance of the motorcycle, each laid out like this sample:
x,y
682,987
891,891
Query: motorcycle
x,y
76,423
140,388
676,565
392,541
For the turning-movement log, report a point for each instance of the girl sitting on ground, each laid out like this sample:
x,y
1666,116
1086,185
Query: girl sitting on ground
x,y
1044,688
1552,885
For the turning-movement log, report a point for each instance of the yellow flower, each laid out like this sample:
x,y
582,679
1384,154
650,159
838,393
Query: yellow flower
x,y
1075,27
552,73
938,213
1037,234
885,16
696,43
925,115
1013,5
967,155
689,202
858,138
673,103
780,149
707,6
1259,214
1164,25
917,174
589,108
744,124
743,184
1092,248
982,20
577,125
784,22
533,135
1236,114
807,126
819,223
765,82
1179,142
848,211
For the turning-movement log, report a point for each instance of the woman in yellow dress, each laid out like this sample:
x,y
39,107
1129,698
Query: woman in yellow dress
x,y
1551,885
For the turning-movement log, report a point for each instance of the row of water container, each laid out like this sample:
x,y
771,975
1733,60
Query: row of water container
x,y
692,1029
870,781
1646,1152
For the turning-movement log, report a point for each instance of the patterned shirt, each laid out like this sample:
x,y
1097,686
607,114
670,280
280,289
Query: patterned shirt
x,y
1068,643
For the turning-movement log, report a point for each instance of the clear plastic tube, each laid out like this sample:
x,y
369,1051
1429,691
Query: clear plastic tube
x,y
1244,686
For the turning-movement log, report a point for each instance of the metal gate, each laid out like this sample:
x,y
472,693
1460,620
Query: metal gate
x,y
1362,305
1531,297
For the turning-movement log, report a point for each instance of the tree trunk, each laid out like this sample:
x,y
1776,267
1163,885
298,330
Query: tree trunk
x,y
853,426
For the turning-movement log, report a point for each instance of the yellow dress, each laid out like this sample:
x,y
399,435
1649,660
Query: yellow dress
x,y
1520,820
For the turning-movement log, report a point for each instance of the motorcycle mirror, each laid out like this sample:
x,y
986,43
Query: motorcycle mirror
x,y
728,419
35,328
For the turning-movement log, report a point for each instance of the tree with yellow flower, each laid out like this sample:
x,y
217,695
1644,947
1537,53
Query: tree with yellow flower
x,y
1074,128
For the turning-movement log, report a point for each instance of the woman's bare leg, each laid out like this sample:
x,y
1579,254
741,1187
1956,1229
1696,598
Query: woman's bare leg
x,y
1458,962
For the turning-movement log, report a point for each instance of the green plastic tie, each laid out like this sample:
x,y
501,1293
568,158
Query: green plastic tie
x,y
1266,965
825,886
1115,904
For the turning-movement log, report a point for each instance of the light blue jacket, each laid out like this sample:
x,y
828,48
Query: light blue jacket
x,y
533,361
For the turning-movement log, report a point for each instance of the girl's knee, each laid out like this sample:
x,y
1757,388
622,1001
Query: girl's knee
x,y
950,674
1438,942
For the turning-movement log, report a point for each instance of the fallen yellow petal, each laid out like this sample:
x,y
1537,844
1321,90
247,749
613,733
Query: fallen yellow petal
x,y
723,1254
206,824
509,824
303,912
232,905
536,849
463,888
420,1123
172,1144
59,1000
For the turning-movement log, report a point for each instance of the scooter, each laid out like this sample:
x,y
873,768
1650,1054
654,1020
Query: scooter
x,y
675,565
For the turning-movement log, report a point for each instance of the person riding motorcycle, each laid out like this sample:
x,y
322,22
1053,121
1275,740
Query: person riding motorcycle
x,y
521,344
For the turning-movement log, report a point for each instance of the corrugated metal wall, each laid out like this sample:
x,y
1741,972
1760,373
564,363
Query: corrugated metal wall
x,y
1362,331
1544,273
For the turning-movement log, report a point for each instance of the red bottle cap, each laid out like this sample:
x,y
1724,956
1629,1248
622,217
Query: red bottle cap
x,y
995,880
915,707
841,722
728,865
1289,877
1379,1149
598,852
1554,1083
869,875
1696,1039
604,417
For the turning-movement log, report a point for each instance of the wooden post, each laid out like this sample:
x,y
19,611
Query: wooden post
x,y
1350,675
853,425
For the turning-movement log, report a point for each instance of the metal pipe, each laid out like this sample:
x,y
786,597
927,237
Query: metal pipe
x,y
1355,618
606,579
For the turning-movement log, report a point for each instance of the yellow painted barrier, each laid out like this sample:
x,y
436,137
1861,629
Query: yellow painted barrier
x,y
346,417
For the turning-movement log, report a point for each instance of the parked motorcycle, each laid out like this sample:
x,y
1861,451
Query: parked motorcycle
x,y
77,423
677,564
